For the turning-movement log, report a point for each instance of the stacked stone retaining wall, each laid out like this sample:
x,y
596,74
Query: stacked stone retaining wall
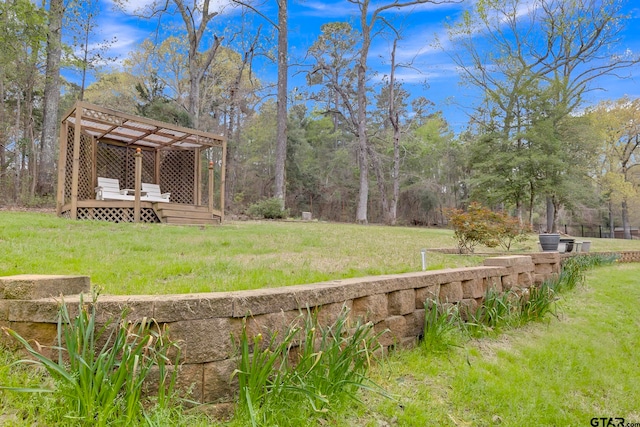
x,y
204,323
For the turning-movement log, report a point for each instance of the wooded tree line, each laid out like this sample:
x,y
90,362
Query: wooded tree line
x,y
347,146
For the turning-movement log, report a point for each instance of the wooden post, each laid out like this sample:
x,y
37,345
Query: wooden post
x,y
156,170
223,178
211,192
94,161
62,166
197,199
75,174
138,185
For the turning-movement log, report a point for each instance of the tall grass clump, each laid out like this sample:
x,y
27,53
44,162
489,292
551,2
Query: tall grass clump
x,y
537,303
309,373
575,268
495,311
102,385
442,326
444,322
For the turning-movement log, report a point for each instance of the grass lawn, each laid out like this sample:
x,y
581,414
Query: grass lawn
x,y
566,371
583,364
157,259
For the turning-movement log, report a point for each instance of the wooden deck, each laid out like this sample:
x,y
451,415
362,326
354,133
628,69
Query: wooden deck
x,y
168,213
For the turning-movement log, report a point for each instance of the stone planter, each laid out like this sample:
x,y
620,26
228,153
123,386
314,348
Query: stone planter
x,y
549,241
569,244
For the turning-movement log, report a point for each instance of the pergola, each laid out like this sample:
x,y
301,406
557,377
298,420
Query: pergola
x,y
97,142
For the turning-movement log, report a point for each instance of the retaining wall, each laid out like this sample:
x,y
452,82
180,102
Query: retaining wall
x,y
204,323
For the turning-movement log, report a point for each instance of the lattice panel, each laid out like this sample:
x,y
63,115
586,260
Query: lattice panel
x,y
85,184
129,169
148,167
116,214
110,160
119,162
148,215
109,118
176,175
69,164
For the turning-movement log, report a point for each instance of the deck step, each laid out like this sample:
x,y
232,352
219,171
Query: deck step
x,y
191,221
174,213
179,214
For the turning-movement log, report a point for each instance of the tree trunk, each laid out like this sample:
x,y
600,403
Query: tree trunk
x,y
29,126
625,220
51,97
3,136
556,209
531,200
611,224
395,122
85,60
393,208
194,92
550,215
281,136
363,142
384,203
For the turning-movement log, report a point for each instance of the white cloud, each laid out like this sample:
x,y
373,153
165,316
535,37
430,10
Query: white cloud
x,y
138,7
342,9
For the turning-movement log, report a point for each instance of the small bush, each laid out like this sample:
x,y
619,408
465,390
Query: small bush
x,y
268,209
481,226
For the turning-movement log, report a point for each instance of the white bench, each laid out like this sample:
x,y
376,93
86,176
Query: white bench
x,y
109,189
153,193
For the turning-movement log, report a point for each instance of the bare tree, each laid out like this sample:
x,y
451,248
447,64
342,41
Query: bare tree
x,y
394,119
281,26
196,16
368,20
281,142
51,99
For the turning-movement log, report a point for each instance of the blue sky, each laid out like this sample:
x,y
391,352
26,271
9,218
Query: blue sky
x,y
432,75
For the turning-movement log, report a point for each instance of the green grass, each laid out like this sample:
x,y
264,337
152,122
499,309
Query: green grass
x,y
157,259
127,259
561,372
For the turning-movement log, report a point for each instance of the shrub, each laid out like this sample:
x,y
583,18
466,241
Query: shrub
x,y
481,226
269,209
509,230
